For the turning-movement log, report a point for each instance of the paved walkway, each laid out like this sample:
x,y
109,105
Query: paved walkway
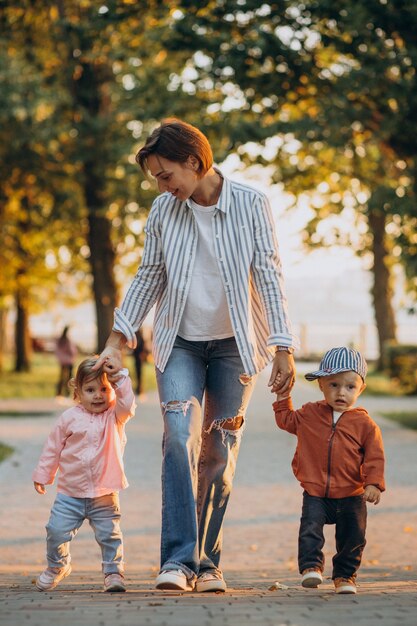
x,y
260,536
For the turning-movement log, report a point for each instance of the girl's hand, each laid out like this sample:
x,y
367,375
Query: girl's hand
x,y
40,488
112,353
112,376
110,360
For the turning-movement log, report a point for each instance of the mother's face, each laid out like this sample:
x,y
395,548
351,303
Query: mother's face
x,y
179,179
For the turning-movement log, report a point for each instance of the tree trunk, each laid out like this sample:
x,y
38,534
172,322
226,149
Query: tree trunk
x,y
3,318
102,257
382,290
22,339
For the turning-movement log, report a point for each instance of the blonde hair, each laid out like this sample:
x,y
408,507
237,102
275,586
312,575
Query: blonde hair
x,y
85,373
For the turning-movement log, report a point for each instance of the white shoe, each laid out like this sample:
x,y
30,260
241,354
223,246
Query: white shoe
x,y
174,580
311,578
210,581
51,577
114,582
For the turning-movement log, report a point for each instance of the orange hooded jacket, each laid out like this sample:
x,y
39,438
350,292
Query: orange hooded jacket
x,y
333,460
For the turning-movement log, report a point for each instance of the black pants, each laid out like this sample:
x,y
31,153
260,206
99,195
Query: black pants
x,y
349,515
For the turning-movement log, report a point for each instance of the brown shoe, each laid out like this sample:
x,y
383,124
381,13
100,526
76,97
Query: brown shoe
x,y
311,577
345,585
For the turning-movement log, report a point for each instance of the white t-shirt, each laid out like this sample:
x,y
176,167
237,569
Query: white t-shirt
x,y
336,415
206,314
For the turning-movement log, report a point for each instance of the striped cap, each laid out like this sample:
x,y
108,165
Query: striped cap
x,y
340,360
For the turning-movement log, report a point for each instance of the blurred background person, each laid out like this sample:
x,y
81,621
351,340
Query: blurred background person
x,y
140,355
66,352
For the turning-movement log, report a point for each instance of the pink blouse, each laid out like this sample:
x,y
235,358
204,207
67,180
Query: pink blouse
x,y
87,448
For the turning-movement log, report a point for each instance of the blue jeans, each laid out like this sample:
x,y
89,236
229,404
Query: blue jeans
x,y
200,448
67,516
349,515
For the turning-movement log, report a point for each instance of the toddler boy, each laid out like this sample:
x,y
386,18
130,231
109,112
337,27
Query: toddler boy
x,y
339,461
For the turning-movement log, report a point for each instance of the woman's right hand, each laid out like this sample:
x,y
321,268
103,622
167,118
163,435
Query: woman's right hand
x,y
110,357
39,488
112,353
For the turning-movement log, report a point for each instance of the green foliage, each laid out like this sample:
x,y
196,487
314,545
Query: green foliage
x,y
334,82
401,365
81,83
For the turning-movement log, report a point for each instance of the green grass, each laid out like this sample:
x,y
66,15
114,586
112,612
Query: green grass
x,y
408,419
41,381
5,451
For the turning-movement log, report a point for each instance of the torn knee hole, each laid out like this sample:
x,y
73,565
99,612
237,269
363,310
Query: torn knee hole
x,y
227,423
176,406
231,423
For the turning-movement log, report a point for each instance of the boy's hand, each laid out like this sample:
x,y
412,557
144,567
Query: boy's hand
x,y
40,488
372,494
284,396
283,373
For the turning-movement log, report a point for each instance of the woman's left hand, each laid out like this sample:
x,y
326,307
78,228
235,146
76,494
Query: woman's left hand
x,y
283,373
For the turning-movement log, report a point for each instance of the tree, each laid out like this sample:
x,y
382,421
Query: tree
x,y
334,79
33,188
85,74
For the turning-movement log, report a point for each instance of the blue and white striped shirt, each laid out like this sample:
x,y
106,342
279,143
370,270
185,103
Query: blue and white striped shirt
x,y
247,254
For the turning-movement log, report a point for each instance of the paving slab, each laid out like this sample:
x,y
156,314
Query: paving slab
x,y
260,534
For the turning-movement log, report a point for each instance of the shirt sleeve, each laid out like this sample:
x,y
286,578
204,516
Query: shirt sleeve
x,y
267,273
374,458
125,400
48,464
148,284
285,416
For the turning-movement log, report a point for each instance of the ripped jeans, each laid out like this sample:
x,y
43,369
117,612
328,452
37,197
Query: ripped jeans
x,y
199,449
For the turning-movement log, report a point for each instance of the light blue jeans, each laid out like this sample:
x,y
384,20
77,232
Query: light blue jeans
x,y
67,516
200,448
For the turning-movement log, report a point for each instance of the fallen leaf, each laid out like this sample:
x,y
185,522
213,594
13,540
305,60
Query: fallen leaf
x,y
277,585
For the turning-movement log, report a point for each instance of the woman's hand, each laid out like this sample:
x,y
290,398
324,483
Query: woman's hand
x,y
111,356
39,488
110,360
283,373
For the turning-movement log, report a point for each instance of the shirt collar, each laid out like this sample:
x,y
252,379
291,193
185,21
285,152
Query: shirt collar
x,y
225,195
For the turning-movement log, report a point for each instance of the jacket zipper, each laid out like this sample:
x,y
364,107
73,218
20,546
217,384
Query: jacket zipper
x,y
329,456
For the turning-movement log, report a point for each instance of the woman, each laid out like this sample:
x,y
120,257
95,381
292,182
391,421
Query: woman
x,y
211,264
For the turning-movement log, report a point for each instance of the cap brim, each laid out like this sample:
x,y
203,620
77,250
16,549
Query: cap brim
x,y
314,375
321,373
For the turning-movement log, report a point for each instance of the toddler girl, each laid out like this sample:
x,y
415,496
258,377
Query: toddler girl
x,y
86,445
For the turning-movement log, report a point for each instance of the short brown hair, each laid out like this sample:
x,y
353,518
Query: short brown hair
x,y
84,373
176,140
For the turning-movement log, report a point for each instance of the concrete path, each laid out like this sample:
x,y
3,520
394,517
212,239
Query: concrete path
x,y
260,535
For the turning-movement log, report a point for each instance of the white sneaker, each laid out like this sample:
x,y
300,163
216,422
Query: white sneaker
x,y
210,581
51,577
174,580
114,582
311,578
